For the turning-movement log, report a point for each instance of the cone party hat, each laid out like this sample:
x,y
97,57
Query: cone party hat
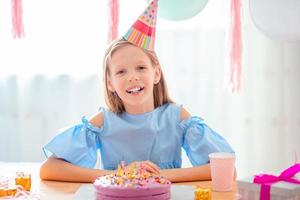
x,y
142,32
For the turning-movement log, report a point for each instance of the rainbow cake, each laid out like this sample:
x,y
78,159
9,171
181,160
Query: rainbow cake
x,y
133,183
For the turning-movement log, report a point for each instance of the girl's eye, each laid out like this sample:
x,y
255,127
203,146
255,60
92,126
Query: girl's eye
x,y
141,67
121,72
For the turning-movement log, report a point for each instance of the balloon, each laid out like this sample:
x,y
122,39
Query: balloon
x,y
179,9
277,19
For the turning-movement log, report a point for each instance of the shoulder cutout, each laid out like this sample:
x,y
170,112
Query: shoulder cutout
x,y
97,119
184,114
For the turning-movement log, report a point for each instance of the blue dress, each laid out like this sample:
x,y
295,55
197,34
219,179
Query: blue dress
x,y
156,136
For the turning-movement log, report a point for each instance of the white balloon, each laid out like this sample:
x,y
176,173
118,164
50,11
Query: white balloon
x,y
278,19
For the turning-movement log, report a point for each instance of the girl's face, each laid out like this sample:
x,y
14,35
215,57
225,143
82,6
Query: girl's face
x,y
132,76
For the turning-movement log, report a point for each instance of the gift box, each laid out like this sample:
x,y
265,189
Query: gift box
x,y
285,186
23,180
279,191
19,187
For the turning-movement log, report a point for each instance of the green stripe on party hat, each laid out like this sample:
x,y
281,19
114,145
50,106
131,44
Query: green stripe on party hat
x,y
142,32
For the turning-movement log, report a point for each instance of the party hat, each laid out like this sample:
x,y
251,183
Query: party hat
x,y
142,32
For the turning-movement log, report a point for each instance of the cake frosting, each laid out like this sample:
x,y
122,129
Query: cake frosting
x,y
132,183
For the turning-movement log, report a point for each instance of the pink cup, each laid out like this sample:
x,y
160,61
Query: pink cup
x,y
222,167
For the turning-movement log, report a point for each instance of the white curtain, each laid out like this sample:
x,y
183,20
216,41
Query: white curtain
x,y
32,111
261,122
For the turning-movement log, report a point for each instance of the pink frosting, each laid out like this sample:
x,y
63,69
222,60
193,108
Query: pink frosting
x,y
112,187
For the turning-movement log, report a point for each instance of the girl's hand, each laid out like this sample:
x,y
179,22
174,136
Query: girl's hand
x,y
148,166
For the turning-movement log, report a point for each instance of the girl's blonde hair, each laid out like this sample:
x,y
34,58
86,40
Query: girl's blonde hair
x,y
113,101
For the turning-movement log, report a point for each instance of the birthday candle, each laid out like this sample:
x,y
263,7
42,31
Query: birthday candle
x,y
119,171
135,168
140,169
123,164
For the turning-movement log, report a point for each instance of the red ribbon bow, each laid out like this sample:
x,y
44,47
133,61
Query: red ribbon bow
x,y
266,180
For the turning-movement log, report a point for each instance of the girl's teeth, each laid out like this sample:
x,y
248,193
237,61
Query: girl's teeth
x,y
135,90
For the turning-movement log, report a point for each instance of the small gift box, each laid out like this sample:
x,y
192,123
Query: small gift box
x,y
20,187
202,194
8,191
23,180
286,186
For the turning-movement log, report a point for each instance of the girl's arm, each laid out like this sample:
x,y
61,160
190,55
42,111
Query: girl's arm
x,y
198,173
59,170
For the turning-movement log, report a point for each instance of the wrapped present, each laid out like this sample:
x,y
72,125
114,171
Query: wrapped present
x,y
20,187
5,188
8,191
266,186
23,180
202,194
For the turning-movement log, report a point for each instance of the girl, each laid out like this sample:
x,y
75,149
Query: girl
x,y
142,124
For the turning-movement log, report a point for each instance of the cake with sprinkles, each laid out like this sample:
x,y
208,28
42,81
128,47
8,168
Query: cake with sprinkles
x,y
133,183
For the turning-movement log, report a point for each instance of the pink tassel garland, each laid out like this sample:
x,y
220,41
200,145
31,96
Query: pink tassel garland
x,y
236,46
113,19
17,21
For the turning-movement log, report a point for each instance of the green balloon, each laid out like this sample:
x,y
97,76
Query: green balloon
x,y
179,9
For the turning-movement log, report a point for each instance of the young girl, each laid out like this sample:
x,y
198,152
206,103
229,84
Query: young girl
x,y
141,125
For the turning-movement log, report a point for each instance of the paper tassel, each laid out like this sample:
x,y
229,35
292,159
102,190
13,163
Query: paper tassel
x,y
235,46
113,20
17,21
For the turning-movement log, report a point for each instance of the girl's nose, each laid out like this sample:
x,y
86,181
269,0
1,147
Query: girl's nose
x,y
133,77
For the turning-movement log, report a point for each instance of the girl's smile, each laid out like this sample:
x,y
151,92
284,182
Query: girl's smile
x,y
135,90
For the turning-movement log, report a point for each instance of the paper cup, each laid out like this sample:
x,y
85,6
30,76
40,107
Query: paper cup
x,y
222,167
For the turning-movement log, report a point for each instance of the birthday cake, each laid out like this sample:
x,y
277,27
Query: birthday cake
x,y
132,184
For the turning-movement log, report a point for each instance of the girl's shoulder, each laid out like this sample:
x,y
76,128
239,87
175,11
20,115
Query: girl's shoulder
x,y
176,111
97,119
183,113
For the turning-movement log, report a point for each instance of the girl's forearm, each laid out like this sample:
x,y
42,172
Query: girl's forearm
x,y
59,170
198,173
